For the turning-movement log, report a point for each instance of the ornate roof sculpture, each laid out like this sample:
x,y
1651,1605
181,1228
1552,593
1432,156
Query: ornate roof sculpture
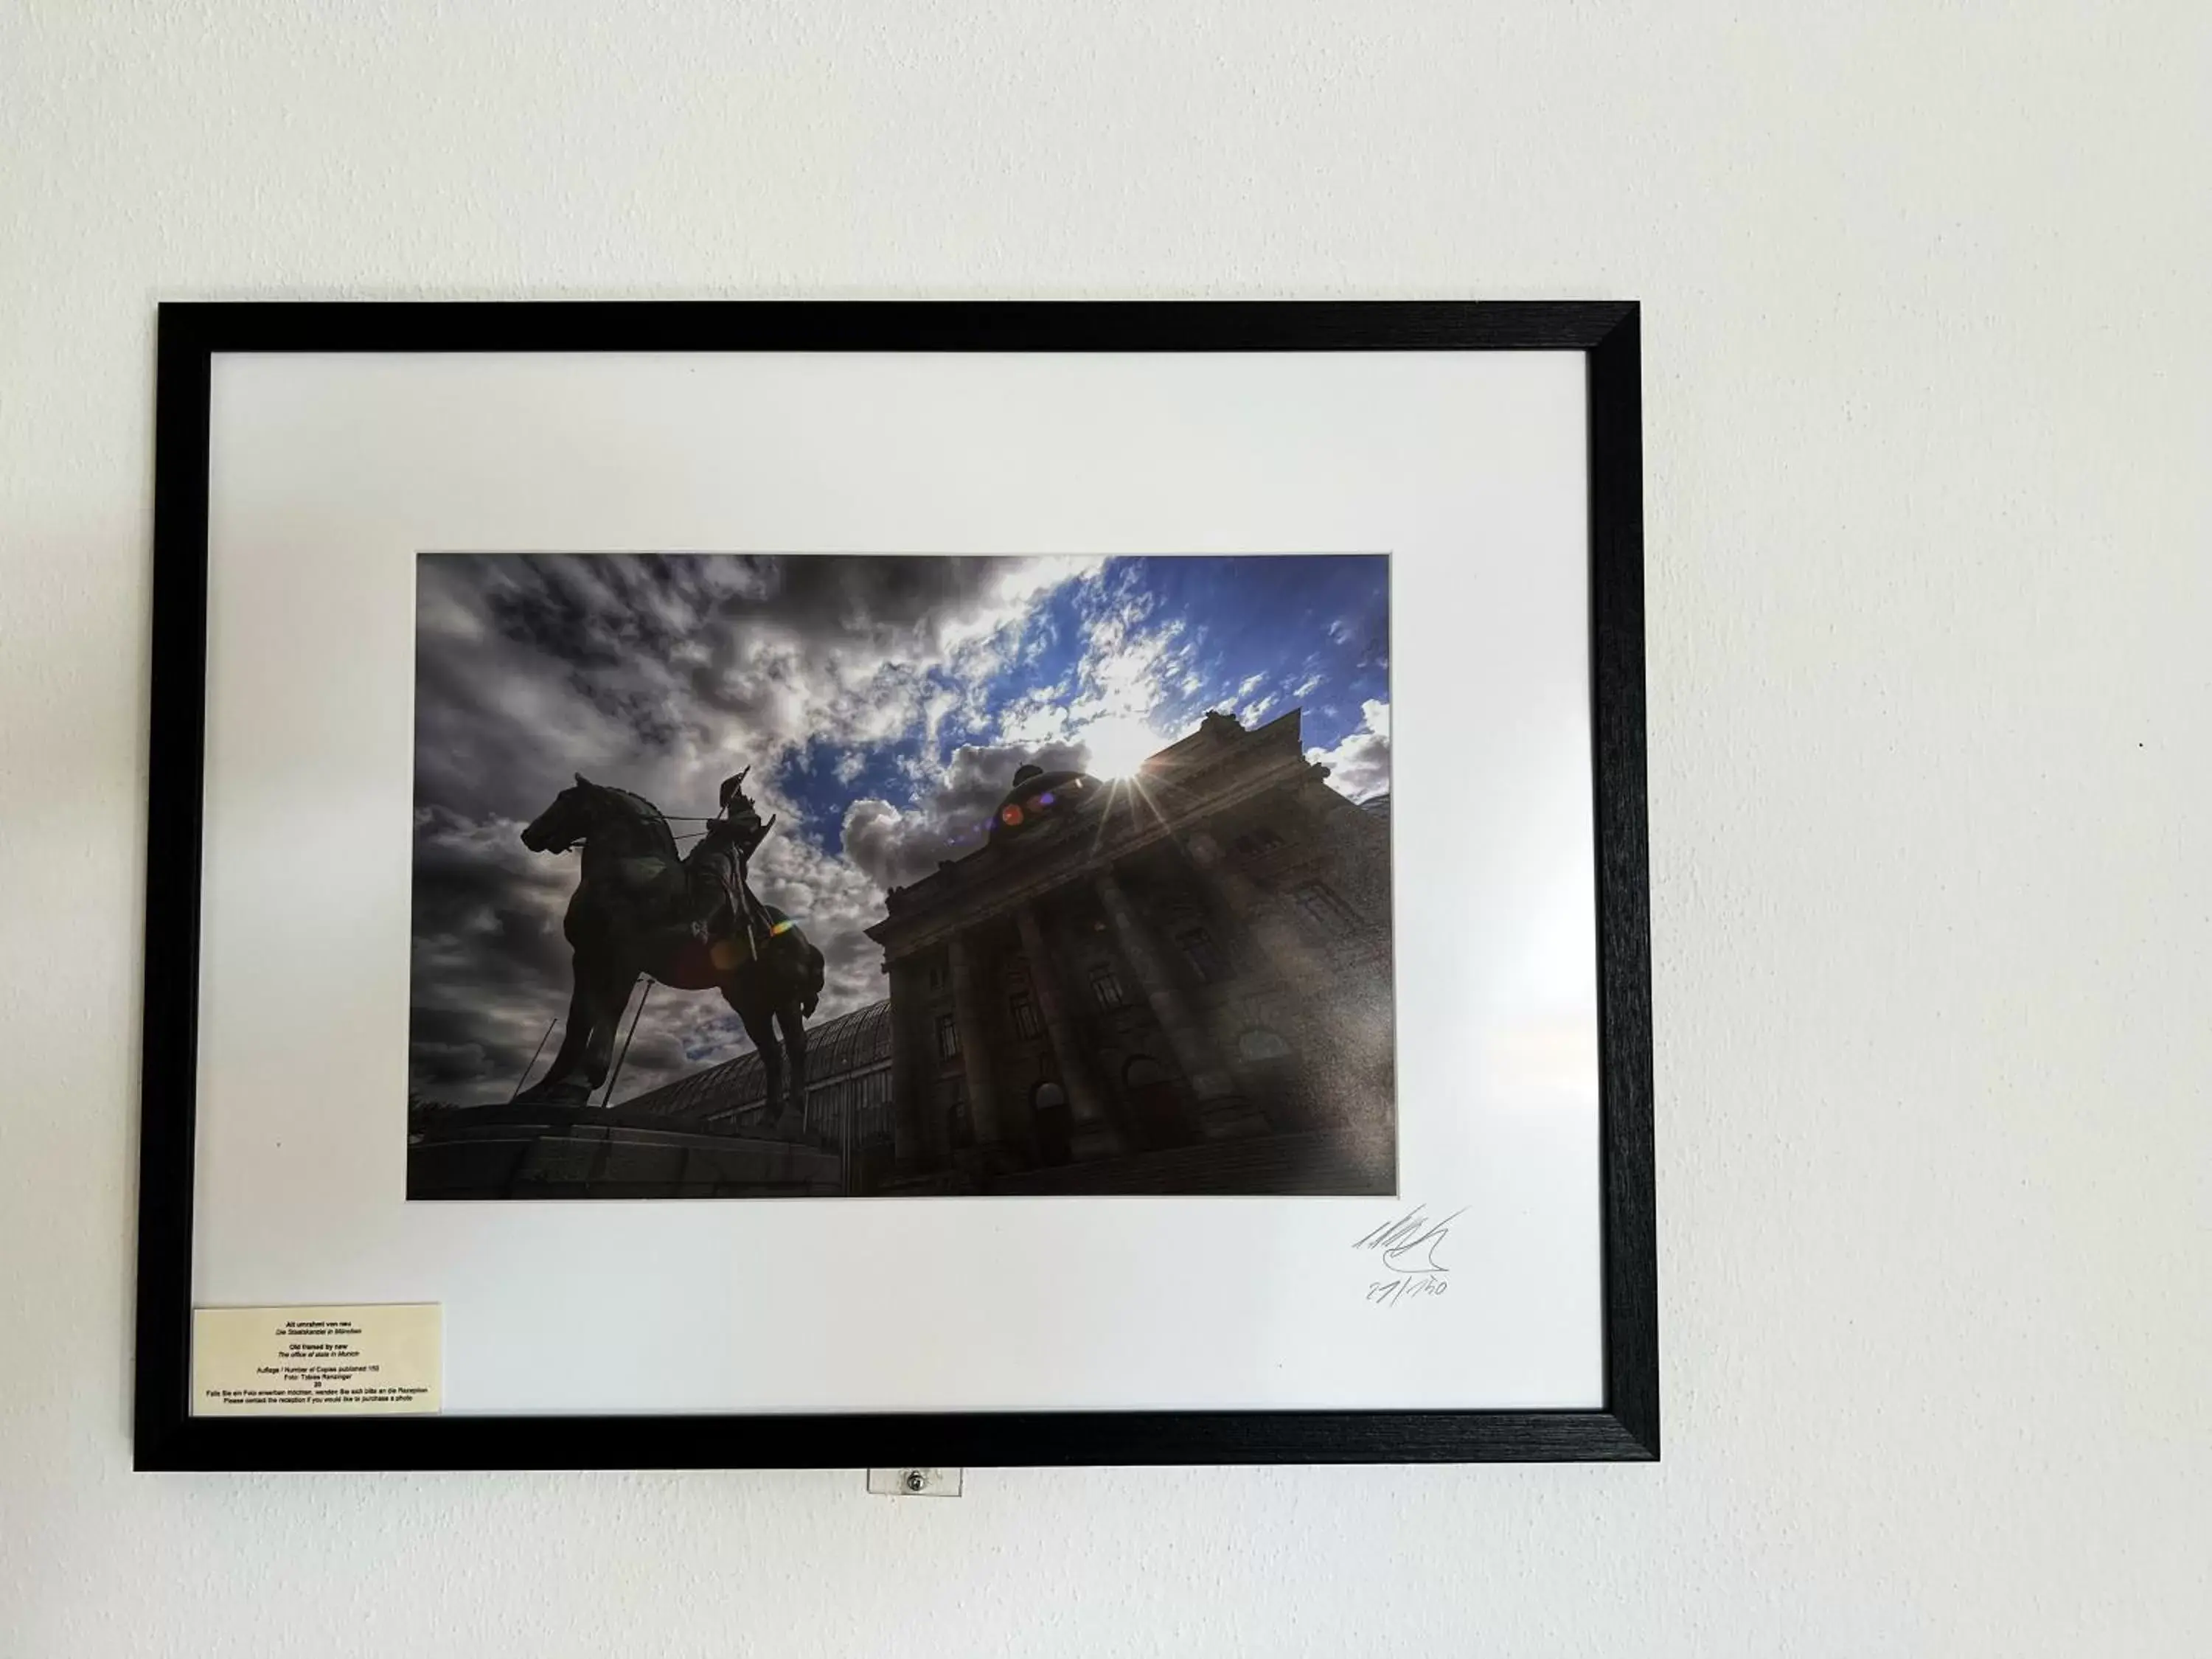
x,y
1039,798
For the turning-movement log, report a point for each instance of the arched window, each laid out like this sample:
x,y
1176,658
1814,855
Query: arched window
x,y
1050,1116
1260,1045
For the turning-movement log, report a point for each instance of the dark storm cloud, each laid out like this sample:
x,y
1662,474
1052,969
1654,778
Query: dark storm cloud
x,y
661,674
487,928
895,848
531,667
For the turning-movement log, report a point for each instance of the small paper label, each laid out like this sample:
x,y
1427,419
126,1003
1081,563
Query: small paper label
x,y
316,1362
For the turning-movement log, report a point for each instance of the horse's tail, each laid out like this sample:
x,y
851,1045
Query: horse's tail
x,y
797,959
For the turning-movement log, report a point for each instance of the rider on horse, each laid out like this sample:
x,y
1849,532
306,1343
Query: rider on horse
x,y
690,923
719,902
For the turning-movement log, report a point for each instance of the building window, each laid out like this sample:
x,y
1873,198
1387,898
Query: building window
x,y
1324,911
1105,985
1025,1015
1204,956
948,1038
1257,841
936,975
1261,1045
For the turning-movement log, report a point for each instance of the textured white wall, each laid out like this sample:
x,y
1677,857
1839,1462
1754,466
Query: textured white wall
x,y
1927,348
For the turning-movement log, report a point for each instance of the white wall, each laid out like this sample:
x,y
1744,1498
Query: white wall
x,y
1926,345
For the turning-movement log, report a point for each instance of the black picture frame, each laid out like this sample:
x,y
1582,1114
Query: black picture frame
x,y
166,1436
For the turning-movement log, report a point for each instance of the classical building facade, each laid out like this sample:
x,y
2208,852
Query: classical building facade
x,y
1197,954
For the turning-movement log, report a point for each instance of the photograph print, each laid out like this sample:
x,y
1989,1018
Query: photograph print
x,y
743,876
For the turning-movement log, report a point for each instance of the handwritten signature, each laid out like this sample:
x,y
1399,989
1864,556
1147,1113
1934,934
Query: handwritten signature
x,y
1408,1248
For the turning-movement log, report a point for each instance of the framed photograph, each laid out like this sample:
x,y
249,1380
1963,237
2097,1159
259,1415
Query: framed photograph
x,y
911,883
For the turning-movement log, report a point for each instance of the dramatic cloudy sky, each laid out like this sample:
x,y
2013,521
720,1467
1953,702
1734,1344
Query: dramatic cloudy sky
x,y
884,704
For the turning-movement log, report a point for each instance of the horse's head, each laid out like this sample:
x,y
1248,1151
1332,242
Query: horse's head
x,y
563,824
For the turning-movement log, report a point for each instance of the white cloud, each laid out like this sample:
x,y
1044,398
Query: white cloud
x,y
1359,766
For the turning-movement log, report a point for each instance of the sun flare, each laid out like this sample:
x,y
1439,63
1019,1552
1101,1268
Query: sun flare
x,y
1120,746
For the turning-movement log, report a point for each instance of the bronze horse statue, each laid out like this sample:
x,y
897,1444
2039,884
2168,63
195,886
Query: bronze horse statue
x,y
689,922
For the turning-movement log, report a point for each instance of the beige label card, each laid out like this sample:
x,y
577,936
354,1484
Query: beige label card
x,y
316,1362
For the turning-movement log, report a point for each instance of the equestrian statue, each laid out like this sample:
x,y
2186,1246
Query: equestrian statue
x,y
690,922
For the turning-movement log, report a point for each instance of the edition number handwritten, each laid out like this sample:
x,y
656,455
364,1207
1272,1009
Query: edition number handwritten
x,y
1407,1250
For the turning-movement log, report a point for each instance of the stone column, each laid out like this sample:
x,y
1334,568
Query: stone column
x,y
1222,1111
973,1025
911,1142
1095,1133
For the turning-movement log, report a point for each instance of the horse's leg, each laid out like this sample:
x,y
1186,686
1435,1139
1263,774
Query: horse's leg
x,y
794,1050
761,1028
573,1034
608,993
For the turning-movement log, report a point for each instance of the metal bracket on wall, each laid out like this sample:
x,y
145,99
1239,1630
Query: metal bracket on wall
x,y
915,1483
